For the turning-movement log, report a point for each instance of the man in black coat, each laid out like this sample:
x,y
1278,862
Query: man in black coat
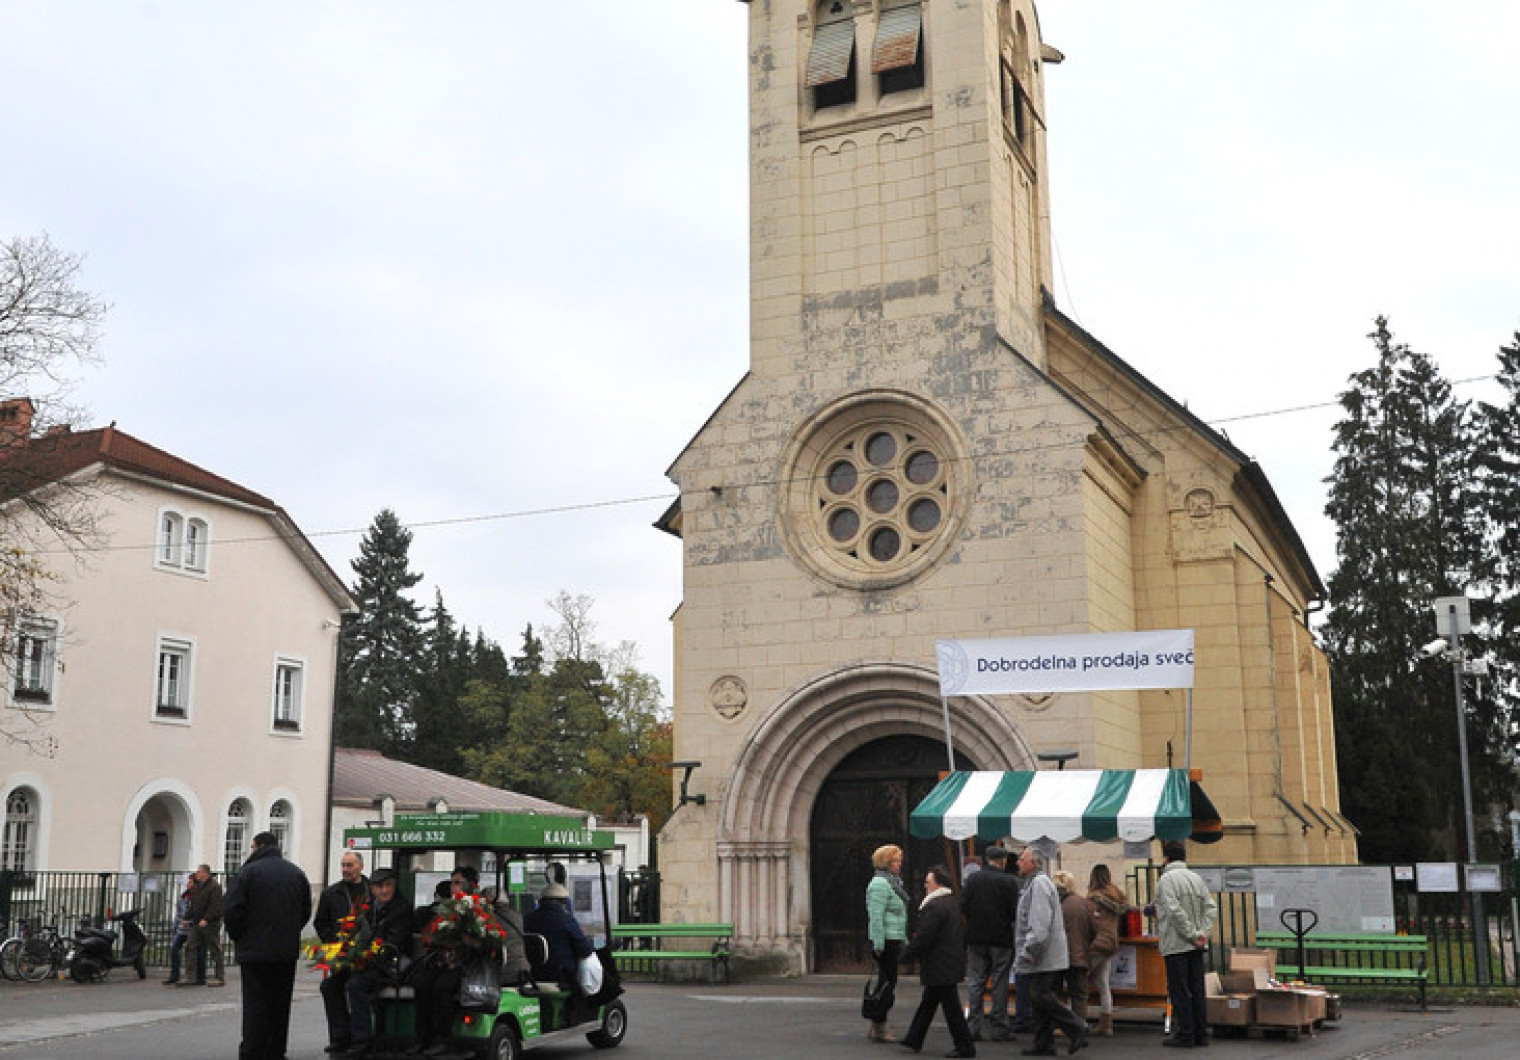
x,y
338,901
990,902
267,905
939,946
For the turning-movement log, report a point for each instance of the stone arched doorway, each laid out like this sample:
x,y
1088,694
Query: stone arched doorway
x,y
862,805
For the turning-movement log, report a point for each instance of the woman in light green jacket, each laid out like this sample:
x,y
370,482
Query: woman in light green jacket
x,y
887,923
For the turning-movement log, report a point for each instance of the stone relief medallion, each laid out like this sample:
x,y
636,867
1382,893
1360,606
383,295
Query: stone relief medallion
x,y
1037,703
1199,503
728,697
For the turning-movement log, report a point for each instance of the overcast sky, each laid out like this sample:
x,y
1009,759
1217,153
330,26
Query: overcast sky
x,y
484,262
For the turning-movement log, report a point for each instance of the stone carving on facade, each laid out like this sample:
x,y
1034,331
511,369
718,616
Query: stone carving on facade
x,y
728,697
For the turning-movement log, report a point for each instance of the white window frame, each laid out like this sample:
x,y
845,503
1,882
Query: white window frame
x,y
18,834
41,693
182,544
283,828
177,710
288,698
239,820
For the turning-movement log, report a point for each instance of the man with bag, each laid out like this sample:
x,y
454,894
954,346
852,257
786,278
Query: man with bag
x,y
1185,915
990,903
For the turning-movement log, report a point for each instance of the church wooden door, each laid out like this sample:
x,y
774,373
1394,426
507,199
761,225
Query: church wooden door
x,y
864,804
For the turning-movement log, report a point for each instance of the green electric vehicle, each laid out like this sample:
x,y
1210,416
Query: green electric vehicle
x,y
523,850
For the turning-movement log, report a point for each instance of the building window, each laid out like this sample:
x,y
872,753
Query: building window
x,y
183,542
898,58
289,681
172,698
235,846
831,62
875,491
20,828
279,825
36,661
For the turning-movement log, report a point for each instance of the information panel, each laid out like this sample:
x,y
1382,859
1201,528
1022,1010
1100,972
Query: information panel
x,y
1346,898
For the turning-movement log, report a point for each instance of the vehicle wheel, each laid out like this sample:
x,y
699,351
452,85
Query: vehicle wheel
x,y
614,1026
82,971
35,961
505,1044
9,950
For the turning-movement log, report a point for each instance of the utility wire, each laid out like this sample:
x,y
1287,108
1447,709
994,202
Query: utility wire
x,y
561,509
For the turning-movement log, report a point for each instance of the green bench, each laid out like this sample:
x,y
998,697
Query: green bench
x,y
1352,957
642,947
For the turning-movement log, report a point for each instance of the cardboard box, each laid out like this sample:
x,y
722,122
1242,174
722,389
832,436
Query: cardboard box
x,y
1247,982
1211,987
1235,1010
1315,1003
1281,1008
1332,1006
1244,959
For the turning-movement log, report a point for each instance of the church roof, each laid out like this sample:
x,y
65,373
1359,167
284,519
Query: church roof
x,y
362,777
1251,472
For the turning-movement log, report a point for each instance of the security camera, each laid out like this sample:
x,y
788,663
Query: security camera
x,y
1434,648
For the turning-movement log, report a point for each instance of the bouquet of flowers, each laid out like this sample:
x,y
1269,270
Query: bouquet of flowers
x,y
464,920
354,948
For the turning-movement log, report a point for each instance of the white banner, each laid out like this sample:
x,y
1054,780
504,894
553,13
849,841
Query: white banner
x,y
1077,663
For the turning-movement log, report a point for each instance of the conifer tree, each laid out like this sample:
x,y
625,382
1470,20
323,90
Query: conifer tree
x,y
1497,468
1408,532
382,648
440,727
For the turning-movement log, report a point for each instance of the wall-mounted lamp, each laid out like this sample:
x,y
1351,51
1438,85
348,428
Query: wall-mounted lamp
x,y
1060,758
700,800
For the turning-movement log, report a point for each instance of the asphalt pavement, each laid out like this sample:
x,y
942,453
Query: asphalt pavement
x,y
814,1016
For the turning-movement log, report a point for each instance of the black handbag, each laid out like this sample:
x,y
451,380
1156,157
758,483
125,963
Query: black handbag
x,y
877,1001
479,984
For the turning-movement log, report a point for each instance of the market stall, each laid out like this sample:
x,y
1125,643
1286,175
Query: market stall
x,y
1066,806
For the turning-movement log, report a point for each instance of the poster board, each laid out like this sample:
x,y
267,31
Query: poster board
x,y
1346,898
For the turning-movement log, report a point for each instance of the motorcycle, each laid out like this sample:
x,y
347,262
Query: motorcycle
x,y
95,949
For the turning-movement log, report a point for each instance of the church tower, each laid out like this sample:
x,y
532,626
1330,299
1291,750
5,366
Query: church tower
x,y
924,447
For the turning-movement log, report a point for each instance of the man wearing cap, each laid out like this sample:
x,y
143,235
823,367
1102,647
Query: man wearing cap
x,y
567,942
990,903
388,921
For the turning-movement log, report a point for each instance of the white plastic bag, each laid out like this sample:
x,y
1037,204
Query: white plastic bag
x,y
588,975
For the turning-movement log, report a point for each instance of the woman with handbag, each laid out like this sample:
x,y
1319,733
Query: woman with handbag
x,y
887,924
1108,906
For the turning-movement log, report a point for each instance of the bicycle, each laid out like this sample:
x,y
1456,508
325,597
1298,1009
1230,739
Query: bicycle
x,y
11,947
41,955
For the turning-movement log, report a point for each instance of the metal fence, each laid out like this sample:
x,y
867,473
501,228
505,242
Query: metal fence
x,y
69,898
1456,955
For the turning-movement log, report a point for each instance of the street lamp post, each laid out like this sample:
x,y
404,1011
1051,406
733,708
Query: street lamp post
x,y
1453,620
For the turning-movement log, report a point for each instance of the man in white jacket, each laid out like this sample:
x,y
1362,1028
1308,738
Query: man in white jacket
x,y
1185,915
1039,939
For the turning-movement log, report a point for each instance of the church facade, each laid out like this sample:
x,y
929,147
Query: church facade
x,y
925,447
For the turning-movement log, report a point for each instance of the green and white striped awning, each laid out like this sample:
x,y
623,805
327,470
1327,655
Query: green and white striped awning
x,y
1067,805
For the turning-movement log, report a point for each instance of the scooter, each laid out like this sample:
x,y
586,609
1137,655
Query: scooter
x,y
95,949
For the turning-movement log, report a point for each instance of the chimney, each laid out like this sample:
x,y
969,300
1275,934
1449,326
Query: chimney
x,y
16,422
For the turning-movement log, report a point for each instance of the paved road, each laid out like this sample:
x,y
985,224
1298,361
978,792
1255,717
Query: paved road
x,y
816,1017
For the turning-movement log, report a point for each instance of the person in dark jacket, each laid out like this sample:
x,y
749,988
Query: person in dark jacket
x,y
340,900
388,921
205,930
567,942
990,902
267,905
939,946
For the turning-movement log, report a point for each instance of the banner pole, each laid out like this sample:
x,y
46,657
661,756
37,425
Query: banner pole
x,y
1187,750
944,702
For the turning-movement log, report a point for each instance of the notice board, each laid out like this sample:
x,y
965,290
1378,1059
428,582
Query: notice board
x,y
1347,898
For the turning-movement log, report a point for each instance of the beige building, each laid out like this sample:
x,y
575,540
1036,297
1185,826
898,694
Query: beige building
x,y
926,447
178,680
